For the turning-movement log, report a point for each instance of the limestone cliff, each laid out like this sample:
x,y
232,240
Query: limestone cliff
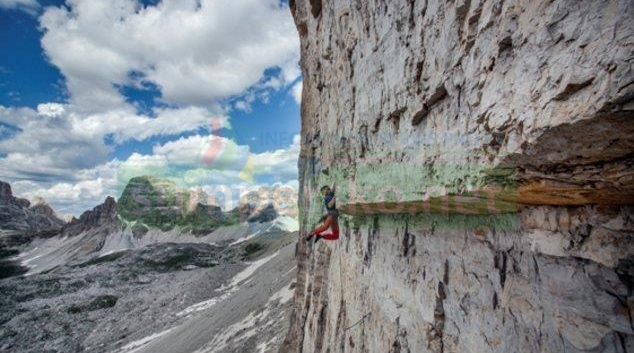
x,y
482,153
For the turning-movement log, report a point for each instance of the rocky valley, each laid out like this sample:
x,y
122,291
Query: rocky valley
x,y
180,281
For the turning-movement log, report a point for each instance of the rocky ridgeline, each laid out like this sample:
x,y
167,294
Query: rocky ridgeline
x,y
143,273
18,214
482,154
103,216
162,204
150,211
150,203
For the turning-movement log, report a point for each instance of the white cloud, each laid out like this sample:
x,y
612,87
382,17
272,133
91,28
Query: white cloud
x,y
196,52
55,140
242,105
85,188
73,197
200,55
184,156
50,109
29,6
46,145
273,158
297,91
126,125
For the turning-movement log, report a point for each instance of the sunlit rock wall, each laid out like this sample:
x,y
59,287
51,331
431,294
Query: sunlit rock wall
x,y
482,155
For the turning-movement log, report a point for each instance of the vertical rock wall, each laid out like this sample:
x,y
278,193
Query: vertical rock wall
x,y
524,109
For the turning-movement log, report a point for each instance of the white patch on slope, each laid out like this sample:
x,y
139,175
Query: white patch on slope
x,y
263,346
248,326
283,295
56,251
283,223
138,344
231,288
228,291
205,304
242,240
287,223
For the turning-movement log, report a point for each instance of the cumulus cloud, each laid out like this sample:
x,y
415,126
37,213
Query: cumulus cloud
x,y
184,160
195,51
45,144
88,187
55,140
79,189
297,92
233,157
125,124
200,55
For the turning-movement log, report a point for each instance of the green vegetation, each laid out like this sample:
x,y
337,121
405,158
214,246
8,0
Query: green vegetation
x,y
139,229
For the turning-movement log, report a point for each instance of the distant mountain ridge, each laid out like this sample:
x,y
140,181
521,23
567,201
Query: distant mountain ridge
x,y
103,216
18,213
160,203
147,202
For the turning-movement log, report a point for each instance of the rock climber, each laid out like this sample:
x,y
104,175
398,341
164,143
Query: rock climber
x,y
330,220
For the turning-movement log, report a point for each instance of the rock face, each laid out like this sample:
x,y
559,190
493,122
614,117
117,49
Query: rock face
x,y
160,203
266,214
18,214
152,211
102,219
482,154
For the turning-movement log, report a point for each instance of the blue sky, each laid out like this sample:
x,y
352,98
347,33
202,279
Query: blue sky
x,y
88,87
26,78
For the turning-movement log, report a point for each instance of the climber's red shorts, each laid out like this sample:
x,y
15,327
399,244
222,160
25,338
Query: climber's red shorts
x,y
331,222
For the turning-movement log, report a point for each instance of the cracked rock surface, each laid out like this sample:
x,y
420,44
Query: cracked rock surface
x,y
399,93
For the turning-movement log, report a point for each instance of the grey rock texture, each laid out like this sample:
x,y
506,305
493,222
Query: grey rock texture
x,y
102,217
104,230
266,214
18,214
161,298
435,99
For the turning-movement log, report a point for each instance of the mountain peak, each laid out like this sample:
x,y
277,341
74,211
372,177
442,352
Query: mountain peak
x,y
104,215
5,191
18,214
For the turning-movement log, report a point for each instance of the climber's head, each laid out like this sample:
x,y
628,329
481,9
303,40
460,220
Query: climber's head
x,y
325,190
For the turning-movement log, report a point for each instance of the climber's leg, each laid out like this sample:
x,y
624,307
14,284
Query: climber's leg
x,y
324,226
319,229
334,222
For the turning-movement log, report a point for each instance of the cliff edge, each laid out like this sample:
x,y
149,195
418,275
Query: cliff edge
x,y
482,154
